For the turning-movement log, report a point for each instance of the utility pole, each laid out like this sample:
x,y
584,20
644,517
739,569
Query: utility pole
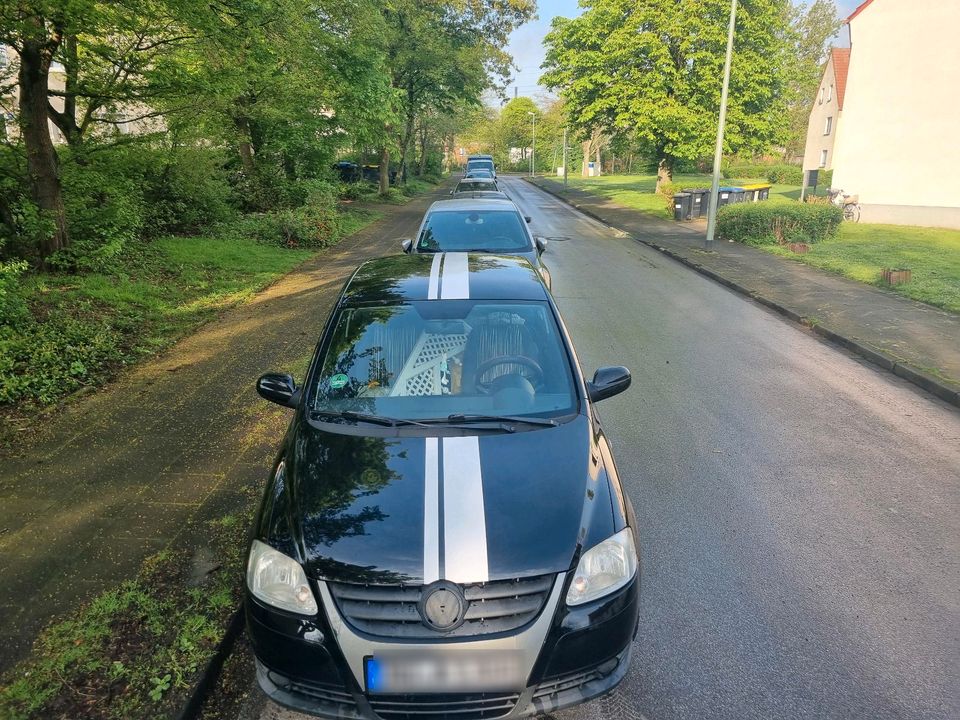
x,y
718,152
533,147
564,157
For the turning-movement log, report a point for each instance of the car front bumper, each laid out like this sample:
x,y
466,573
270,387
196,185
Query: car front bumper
x,y
578,654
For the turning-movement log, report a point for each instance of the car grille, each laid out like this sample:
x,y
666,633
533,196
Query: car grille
x,y
330,697
573,681
492,607
455,707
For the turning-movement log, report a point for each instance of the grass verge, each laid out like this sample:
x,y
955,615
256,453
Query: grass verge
x,y
860,252
637,191
83,328
136,650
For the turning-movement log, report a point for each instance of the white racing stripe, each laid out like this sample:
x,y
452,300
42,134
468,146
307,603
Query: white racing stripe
x,y
455,283
464,523
431,513
434,286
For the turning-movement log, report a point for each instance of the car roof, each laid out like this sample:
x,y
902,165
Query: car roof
x,y
467,203
489,180
482,194
444,276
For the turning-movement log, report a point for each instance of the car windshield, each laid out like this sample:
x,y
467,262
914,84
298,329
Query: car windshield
x,y
475,185
480,165
433,359
474,230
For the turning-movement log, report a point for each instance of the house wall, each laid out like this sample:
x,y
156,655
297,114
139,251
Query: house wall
x,y
898,146
821,110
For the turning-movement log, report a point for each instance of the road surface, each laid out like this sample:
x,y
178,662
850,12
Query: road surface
x,y
799,510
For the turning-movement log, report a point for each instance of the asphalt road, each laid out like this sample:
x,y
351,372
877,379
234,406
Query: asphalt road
x,y
799,510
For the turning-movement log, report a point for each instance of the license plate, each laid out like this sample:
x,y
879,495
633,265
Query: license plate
x,y
442,671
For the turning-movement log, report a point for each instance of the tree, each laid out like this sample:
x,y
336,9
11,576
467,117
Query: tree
x,y
812,27
652,70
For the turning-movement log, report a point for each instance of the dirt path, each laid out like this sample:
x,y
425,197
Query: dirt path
x,y
117,475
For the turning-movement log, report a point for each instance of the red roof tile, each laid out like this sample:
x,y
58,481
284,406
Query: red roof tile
x,y
841,63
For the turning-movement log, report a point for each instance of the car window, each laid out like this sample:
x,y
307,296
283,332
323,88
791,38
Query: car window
x,y
472,186
474,231
435,358
480,165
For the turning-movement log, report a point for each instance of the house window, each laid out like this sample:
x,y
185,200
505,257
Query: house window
x,y
821,96
828,125
830,94
823,158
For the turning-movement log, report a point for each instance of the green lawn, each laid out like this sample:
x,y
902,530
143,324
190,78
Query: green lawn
x,y
80,328
636,191
861,252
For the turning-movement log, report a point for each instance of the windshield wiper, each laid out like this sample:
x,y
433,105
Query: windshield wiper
x,y
462,418
368,418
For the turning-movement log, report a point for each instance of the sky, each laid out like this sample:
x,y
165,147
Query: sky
x,y
526,42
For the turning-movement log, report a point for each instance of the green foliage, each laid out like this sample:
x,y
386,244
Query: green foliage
x,y
861,251
767,223
134,651
650,70
785,174
13,308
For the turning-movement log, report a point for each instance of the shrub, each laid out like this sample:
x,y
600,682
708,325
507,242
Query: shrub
x,y
316,224
358,190
13,308
767,223
184,189
785,174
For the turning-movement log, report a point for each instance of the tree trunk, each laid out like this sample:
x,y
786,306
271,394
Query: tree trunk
x,y
244,146
424,147
42,166
384,170
599,168
585,170
664,172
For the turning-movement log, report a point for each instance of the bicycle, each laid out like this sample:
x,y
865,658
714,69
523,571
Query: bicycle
x,y
849,203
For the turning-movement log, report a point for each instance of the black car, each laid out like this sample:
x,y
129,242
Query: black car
x,y
444,533
468,224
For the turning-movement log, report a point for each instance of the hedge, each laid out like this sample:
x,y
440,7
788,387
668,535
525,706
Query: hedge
x,y
770,223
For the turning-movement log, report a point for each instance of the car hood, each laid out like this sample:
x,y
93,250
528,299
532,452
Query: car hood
x,y
464,509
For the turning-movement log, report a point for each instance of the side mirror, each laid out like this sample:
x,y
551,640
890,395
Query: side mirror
x,y
279,389
528,219
406,244
607,382
541,244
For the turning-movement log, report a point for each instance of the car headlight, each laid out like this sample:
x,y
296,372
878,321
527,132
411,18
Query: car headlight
x,y
279,580
604,568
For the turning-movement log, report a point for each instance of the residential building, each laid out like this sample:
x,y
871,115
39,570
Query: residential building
x,y
826,112
896,131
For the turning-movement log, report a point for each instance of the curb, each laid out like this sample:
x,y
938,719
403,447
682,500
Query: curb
x,y
211,671
923,380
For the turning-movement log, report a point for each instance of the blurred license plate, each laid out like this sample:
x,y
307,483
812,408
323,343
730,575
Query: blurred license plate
x,y
444,671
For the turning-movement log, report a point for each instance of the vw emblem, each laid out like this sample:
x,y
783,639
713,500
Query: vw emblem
x,y
442,606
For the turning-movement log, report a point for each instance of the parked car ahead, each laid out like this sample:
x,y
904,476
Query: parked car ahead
x,y
481,162
444,528
479,173
475,184
478,225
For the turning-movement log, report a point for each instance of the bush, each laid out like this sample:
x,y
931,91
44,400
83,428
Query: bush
x,y
184,189
362,190
785,174
13,308
769,223
316,224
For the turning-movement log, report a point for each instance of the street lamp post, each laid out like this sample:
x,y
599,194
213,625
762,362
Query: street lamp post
x,y
533,147
564,157
718,152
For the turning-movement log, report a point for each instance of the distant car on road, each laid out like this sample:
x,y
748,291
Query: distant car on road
x,y
476,184
481,162
444,534
478,225
479,173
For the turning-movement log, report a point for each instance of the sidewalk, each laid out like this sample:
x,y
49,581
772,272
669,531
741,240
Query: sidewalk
x,y
115,476
918,342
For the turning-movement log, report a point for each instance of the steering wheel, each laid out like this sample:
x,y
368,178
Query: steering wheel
x,y
529,363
